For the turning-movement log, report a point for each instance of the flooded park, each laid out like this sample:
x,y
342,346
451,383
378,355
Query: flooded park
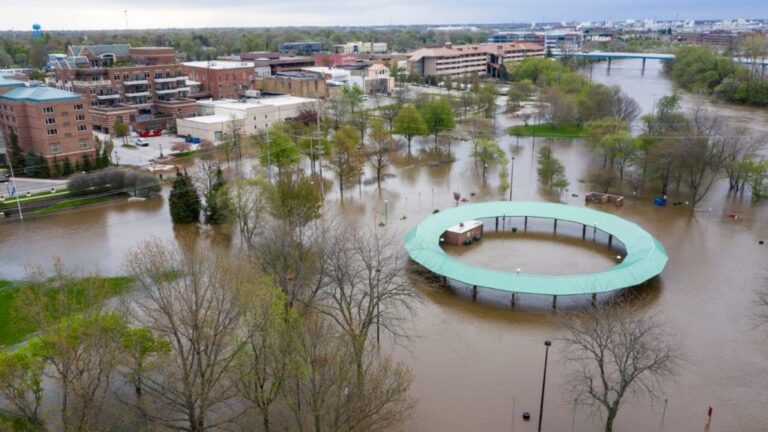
x,y
478,363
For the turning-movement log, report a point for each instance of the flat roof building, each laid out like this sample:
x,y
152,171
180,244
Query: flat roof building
x,y
142,87
303,47
216,118
48,121
458,60
219,79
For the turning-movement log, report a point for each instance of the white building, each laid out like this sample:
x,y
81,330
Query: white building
x,y
218,117
360,48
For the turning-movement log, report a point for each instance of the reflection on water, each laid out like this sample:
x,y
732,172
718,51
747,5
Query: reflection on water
x,y
478,364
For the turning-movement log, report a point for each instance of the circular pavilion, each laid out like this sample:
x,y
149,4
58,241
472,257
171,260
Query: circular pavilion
x,y
645,256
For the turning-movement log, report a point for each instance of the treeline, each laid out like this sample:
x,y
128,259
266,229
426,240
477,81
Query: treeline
x,y
699,69
22,50
565,96
33,164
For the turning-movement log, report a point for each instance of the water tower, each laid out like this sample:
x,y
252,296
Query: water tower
x,y
37,31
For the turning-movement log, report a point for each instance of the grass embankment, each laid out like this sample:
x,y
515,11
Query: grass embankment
x,y
72,203
547,130
14,330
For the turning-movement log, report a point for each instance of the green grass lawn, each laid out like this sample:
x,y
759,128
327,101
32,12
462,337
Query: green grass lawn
x,y
547,130
14,330
71,203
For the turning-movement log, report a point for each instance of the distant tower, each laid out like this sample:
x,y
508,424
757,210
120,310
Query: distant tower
x,y
37,31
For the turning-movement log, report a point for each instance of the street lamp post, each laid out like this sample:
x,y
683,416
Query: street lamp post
x,y
511,177
117,160
547,344
160,145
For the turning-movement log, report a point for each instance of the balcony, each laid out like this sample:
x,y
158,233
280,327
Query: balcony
x,y
136,82
81,83
171,79
138,94
108,96
166,91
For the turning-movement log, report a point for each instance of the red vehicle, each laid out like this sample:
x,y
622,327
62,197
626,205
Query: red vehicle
x,y
149,133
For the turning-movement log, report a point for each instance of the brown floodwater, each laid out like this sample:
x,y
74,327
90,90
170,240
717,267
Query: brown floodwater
x,y
478,364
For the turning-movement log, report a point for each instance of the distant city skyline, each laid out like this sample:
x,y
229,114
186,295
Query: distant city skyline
x,y
108,14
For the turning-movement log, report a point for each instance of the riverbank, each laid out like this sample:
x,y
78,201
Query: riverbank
x,y
14,329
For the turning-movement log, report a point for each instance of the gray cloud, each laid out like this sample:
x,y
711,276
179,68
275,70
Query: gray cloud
x,y
257,13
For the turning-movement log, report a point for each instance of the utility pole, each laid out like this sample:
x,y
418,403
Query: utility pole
x,y
511,177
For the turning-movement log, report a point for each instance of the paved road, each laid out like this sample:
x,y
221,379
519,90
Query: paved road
x,y
31,185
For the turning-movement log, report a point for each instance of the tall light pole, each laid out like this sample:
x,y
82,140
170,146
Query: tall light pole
x,y
547,344
511,177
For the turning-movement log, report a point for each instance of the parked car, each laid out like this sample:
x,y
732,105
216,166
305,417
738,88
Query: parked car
x,y
4,175
141,142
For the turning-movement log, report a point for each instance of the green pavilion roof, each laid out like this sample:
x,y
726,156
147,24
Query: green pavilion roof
x,y
645,256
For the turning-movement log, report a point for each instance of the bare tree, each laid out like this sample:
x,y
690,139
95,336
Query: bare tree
x,y
366,290
616,353
702,153
248,207
271,351
191,299
324,398
381,144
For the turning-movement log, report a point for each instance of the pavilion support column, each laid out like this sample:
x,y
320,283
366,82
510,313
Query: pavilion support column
x,y
594,299
497,224
583,232
474,292
445,281
555,231
554,302
643,70
609,64
512,302
610,239
525,224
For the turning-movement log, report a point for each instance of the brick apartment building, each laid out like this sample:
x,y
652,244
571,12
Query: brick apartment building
x,y
219,79
483,59
49,121
143,87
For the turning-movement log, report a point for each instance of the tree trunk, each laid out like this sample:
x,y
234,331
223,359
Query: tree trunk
x,y
609,421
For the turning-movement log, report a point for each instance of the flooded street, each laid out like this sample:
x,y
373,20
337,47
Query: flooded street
x,y
478,365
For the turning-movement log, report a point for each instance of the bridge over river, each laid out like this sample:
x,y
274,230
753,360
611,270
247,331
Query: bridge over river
x,y
610,56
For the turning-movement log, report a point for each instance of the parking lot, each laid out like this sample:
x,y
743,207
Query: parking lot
x,y
143,156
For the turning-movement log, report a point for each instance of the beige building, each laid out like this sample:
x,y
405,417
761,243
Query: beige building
x,y
481,59
218,118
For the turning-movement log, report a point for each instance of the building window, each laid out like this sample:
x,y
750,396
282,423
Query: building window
x,y
126,77
82,128
48,110
85,144
52,132
55,148
117,77
80,117
50,120
78,107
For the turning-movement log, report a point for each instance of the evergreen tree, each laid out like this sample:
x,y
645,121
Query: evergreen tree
x,y
55,167
17,154
87,165
66,168
216,203
78,167
184,202
32,164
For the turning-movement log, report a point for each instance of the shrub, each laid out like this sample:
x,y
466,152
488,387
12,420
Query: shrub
x,y
114,180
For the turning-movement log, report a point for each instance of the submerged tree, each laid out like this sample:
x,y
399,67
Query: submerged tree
x,y
409,123
550,170
617,353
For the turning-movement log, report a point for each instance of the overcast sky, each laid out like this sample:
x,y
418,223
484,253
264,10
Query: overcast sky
x,y
108,14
